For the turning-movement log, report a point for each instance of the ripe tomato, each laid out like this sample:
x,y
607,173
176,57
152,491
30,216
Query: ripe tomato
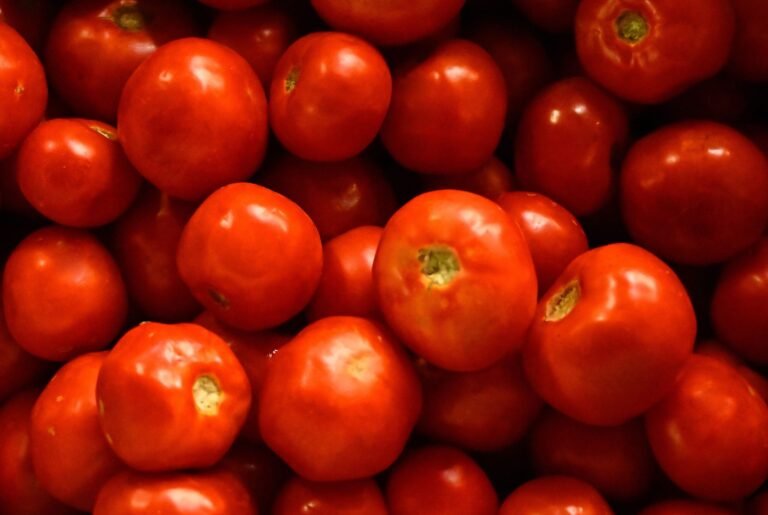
x,y
166,125
339,400
555,495
46,271
490,180
250,256
18,368
686,507
720,351
751,41
360,497
620,313
179,383
439,480
695,192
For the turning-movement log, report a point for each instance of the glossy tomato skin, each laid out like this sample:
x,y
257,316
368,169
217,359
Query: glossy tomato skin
x,y
439,480
206,493
738,305
70,455
550,15
44,273
18,368
720,351
180,383
686,507
650,50
588,128
360,497
95,45
448,110
750,41
329,96
554,495
24,90
695,192
144,241
490,180
165,124
455,280
710,433
621,313
555,237
339,400
75,172
245,282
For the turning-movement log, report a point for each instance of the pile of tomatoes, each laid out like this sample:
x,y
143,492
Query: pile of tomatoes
x,y
407,257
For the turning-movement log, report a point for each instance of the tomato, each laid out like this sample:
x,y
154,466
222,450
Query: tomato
x,y
208,493
439,480
686,507
360,497
75,172
46,271
233,4
95,45
144,242
448,110
454,279
31,19
223,258
329,96
555,495
166,124
70,456
490,180
587,128
550,15
12,200
621,313
555,237
750,41
486,410
650,50
24,91
18,368
179,383
388,22
720,351
710,434
695,192
339,400
738,305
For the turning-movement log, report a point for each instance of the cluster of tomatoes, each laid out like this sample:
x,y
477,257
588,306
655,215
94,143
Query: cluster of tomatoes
x,y
407,257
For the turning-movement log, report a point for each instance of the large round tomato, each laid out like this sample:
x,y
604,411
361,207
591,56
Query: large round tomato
x,y
360,497
555,495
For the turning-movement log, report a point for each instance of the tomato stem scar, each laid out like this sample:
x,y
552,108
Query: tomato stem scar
x,y
129,17
103,132
207,394
439,264
219,299
631,26
563,302
291,79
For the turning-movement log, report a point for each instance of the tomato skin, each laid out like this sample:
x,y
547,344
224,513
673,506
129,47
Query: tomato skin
x,y
553,495
94,46
695,192
686,507
490,180
439,480
720,351
44,273
165,124
683,44
339,400
70,456
750,42
25,93
205,493
18,368
448,110
244,283
621,313
195,397
360,497
710,433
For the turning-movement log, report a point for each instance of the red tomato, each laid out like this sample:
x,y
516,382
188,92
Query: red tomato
x,y
75,172
47,270
95,45
751,41
724,353
339,400
23,91
550,15
71,457
567,141
250,256
182,385
346,286
490,180
439,480
31,19
389,22
205,493
555,495
193,117
448,110
555,237
361,497
620,313
686,507
329,96
710,434
695,192
455,280
649,50
233,4
18,368
486,410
